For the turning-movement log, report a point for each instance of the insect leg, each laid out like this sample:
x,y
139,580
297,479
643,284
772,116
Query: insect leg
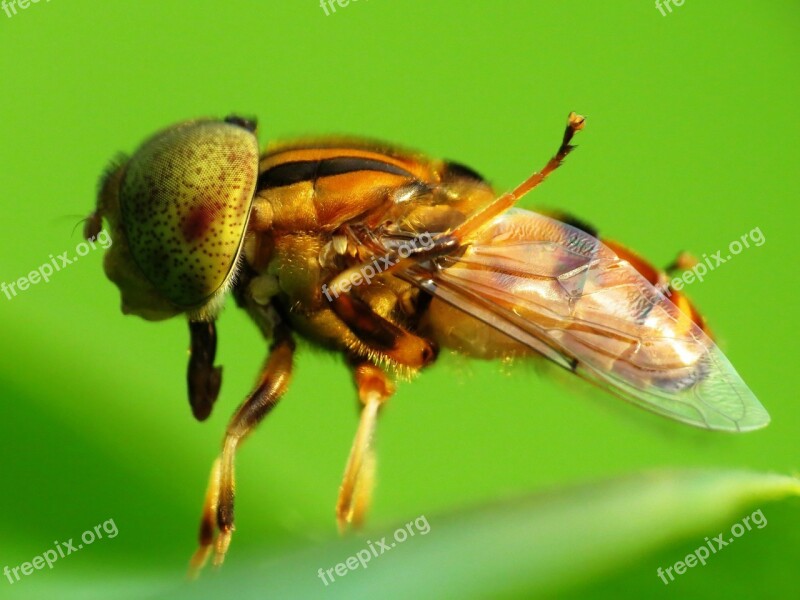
x,y
355,493
448,241
479,218
683,262
208,526
382,335
203,377
271,385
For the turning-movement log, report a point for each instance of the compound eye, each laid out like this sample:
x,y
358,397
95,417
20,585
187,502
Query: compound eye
x,y
185,199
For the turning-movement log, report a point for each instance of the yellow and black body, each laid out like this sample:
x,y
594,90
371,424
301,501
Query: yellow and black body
x,y
389,257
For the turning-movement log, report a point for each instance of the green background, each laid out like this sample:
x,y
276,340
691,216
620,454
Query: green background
x,y
691,142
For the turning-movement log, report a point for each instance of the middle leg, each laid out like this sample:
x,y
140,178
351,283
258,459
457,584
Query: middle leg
x,y
355,493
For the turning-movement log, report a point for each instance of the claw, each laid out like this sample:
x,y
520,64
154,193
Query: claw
x,y
223,542
198,561
207,523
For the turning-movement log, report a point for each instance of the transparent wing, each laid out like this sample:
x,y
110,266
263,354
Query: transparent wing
x,y
564,294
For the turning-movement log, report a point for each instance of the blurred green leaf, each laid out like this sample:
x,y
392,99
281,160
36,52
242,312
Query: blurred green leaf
x,y
540,544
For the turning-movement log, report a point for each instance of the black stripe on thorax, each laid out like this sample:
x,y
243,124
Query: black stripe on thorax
x,y
310,170
457,169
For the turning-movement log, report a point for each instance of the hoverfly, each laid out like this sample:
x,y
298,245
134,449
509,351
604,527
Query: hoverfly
x,y
295,235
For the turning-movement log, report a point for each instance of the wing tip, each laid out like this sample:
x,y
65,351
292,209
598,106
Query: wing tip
x,y
755,422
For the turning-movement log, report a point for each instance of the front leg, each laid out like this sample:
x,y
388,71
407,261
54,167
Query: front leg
x,y
218,509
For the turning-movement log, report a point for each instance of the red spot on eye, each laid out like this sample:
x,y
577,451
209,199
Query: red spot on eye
x,y
198,221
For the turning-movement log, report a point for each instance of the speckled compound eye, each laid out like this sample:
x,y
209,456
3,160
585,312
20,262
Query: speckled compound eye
x,y
184,203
